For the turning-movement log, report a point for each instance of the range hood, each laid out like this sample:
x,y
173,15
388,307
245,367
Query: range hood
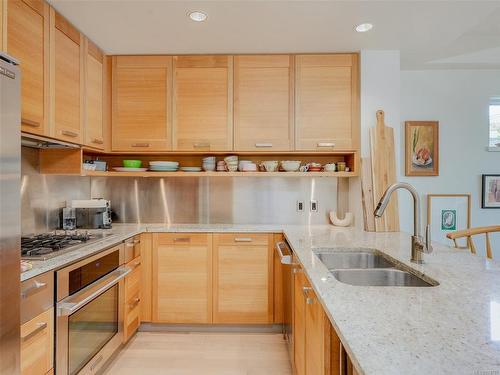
x,y
37,141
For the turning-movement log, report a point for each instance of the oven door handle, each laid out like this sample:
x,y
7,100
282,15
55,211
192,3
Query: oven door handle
x,y
284,259
73,303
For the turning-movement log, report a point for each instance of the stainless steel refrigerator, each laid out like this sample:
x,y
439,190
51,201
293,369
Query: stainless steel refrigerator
x,y
10,215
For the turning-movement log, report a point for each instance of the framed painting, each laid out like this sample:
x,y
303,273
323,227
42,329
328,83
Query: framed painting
x,y
491,191
448,213
422,148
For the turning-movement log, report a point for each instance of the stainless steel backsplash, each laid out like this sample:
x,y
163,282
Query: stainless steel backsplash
x,y
238,200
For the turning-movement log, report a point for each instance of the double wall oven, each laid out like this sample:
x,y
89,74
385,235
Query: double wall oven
x,y
89,318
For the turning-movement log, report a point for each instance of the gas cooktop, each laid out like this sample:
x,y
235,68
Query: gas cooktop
x,y
48,245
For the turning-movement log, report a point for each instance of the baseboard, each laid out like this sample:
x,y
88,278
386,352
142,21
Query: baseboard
x,y
224,328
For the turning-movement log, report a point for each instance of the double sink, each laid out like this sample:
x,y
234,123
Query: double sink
x,y
369,267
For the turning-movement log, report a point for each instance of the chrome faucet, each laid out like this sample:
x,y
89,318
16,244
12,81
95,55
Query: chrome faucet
x,y
419,245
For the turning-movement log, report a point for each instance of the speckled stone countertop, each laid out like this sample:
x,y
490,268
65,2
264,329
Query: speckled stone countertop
x,y
453,328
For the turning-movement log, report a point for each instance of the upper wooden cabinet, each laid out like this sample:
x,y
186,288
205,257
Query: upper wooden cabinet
x,y
326,102
202,118
67,78
28,41
93,63
263,103
141,103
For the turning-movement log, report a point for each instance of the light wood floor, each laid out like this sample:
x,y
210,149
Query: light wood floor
x,y
165,353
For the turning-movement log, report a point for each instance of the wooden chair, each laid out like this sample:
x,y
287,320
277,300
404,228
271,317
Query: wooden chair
x,y
468,233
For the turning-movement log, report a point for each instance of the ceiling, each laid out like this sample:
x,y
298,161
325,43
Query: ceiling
x,y
429,34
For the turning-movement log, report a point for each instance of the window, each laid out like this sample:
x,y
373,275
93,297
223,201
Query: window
x,y
495,122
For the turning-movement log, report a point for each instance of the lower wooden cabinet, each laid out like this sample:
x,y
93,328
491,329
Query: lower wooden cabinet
x,y
182,278
243,278
132,308
311,330
37,344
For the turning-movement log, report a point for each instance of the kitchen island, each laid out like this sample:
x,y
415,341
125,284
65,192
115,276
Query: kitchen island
x,y
452,328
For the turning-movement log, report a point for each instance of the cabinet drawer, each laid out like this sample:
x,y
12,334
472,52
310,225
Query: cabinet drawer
x,y
37,296
243,239
183,238
131,319
133,279
132,248
37,344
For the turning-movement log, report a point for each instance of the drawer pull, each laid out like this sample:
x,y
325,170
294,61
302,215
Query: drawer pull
x,y
201,145
129,244
34,288
182,239
305,290
136,264
326,144
39,327
33,124
297,270
262,145
98,141
140,145
135,302
69,133
137,242
242,239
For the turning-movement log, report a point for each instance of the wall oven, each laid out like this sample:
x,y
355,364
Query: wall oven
x,y
89,325
286,259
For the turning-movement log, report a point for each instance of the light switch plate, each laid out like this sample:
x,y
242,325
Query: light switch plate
x,y
300,206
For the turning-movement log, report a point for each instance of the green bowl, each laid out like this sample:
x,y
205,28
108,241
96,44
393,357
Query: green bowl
x,y
132,163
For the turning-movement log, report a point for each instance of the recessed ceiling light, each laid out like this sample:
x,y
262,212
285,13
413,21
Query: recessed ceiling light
x,y
364,27
198,16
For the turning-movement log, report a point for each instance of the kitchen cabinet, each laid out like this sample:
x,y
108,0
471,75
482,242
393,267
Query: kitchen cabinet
x,y
326,102
132,308
37,344
27,40
141,103
67,78
93,63
146,251
182,277
311,330
243,278
263,103
202,103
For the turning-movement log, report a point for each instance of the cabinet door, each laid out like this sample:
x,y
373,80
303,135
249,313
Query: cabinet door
x,y
146,251
243,278
132,308
65,46
182,278
141,103
28,41
93,95
263,103
299,322
203,103
326,102
37,343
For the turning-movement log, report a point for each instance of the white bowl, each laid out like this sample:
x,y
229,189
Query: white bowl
x,y
290,165
241,164
270,165
232,158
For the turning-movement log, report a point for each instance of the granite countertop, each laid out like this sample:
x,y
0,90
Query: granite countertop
x,y
453,328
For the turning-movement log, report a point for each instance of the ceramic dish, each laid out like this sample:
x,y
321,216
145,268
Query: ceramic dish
x,y
132,163
121,169
190,169
163,169
290,165
164,163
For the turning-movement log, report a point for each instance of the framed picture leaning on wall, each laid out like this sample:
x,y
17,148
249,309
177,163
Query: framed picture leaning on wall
x,y
491,191
448,213
422,148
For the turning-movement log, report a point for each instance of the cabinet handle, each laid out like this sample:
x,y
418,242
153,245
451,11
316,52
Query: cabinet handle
x,y
129,244
137,242
136,264
69,133
32,289
261,145
326,144
182,239
305,290
140,145
201,145
39,327
242,239
98,141
297,270
33,124
135,302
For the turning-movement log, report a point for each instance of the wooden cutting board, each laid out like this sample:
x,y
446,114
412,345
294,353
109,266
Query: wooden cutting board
x,y
383,163
367,195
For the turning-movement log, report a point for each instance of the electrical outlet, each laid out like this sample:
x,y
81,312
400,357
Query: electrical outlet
x,y
314,206
300,206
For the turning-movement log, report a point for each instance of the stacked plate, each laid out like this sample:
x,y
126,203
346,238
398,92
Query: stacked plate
x,y
163,166
191,169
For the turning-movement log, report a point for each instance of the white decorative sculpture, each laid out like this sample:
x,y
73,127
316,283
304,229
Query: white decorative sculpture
x,y
345,222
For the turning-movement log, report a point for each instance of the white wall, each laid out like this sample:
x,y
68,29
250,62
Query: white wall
x,y
458,99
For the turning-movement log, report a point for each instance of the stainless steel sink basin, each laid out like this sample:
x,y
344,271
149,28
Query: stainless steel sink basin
x,y
354,259
379,277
